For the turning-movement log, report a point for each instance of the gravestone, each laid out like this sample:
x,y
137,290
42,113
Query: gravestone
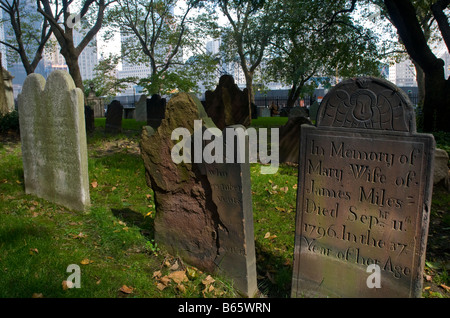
x,y
89,119
53,136
227,105
114,115
364,195
203,211
9,91
140,112
290,135
263,112
231,193
95,102
156,107
313,109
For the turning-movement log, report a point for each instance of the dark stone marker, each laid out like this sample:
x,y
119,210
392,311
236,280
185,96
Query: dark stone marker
x,y
114,118
290,138
313,109
227,105
364,195
89,119
156,107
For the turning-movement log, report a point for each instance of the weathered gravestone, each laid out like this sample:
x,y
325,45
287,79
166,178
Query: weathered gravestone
x,y
140,111
290,135
53,135
203,211
114,115
227,105
89,119
364,194
313,109
95,102
156,107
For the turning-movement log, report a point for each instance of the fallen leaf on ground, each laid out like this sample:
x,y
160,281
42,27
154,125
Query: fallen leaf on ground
x,y
181,288
66,284
165,280
445,287
86,261
157,274
268,236
178,276
160,286
174,267
208,280
284,189
33,250
37,295
126,290
191,272
94,184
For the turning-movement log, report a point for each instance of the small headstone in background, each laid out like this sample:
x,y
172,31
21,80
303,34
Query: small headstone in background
x,y
156,107
227,105
140,111
114,116
89,119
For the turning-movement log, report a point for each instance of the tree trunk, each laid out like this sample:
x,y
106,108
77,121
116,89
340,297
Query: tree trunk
x,y
71,57
251,95
294,94
436,101
420,78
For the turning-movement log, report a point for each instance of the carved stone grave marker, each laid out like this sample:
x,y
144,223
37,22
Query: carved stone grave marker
x,y
231,193
156,107
364,194
114,114
53,135
203,210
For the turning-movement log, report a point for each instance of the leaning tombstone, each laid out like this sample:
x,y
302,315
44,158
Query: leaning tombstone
x,y
114,116
364,195
140,112
203,210
53,136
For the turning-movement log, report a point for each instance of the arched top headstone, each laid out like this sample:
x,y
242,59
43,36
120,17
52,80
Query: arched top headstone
x,y
367,103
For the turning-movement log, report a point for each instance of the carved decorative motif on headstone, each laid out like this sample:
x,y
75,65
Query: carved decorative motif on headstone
x,y
364,195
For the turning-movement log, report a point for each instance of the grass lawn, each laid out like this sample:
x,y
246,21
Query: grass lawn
x,y
113,243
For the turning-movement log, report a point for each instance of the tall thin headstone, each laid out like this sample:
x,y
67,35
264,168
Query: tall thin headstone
x,y
231,193
364,195
53,135
203,210
140,112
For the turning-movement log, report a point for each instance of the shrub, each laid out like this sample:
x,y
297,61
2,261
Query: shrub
x,y
9,122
